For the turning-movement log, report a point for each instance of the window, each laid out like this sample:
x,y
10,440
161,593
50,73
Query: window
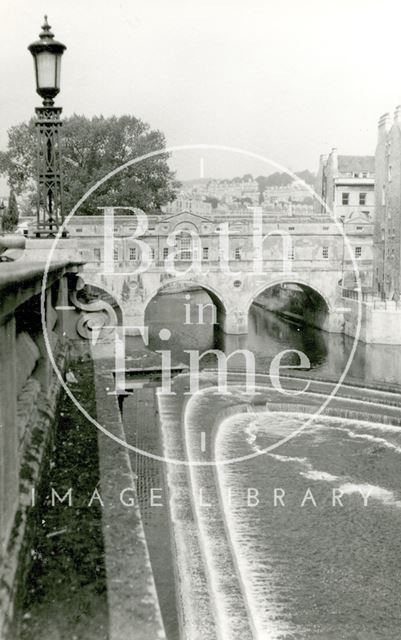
x,y
389,172
206,253
325,253
291,254
78,230
238,253
152,251
359,228
383,195
291,228
96,254
115,254
358,252
165,253
325,228
345,198
132,253
185,246
362,198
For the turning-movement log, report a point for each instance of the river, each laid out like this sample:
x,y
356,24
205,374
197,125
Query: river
x,y
268,335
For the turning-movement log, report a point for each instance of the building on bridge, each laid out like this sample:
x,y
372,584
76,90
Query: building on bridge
x,y
308,250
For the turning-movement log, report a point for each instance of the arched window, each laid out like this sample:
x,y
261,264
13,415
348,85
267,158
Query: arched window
x,y
184,242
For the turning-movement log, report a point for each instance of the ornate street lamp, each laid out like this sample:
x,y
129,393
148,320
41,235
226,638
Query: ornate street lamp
x,y
47,53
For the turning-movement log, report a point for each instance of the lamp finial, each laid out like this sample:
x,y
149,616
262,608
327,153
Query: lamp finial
x,y
46,30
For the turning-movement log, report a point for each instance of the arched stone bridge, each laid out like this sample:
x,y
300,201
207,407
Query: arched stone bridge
x,y
316,260
231,296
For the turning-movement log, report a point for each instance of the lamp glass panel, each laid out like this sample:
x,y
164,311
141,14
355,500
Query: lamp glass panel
x,y
58,70
46,69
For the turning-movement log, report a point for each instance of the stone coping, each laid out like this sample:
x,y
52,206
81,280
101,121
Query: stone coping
x,y
23,280
134,611
16,273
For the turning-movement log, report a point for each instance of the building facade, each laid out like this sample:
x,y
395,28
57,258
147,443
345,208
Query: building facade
x,y
186,203
387,228
346,185
295,192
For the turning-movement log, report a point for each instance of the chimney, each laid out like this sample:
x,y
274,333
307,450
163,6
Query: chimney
x,y
334,161
382,132
384,122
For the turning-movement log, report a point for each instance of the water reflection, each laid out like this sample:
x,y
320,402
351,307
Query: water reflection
x,y
268,335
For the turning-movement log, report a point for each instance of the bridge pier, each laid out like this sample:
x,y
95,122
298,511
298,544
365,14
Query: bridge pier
x,y
234,322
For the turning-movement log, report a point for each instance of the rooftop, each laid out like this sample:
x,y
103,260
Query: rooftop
x,y
356,164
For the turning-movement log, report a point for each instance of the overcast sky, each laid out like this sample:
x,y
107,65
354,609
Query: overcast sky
x,y
285,79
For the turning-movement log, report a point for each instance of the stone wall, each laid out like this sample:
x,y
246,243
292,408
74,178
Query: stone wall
x,y
380,321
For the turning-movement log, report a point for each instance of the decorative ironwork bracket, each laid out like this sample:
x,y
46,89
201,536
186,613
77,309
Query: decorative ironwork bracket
x,y
50,189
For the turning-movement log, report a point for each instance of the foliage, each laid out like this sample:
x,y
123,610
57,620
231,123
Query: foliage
x,y
10,217
91,148
213,201
246,200
125,292
281,179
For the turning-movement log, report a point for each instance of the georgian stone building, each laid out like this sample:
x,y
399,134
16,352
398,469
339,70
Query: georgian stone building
x,y
346,184
387,228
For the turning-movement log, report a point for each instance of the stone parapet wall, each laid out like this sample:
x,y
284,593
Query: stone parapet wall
x,y
28,395
380,322
35,426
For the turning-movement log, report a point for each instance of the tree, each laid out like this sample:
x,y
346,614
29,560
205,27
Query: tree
x,y
307,176
244,201
213,201
125,291
91,148
10,217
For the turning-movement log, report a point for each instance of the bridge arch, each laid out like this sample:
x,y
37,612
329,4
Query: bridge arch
x,y
303,284
215,296
312,306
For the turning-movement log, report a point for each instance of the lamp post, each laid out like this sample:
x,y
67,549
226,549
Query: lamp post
x,y
47,53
